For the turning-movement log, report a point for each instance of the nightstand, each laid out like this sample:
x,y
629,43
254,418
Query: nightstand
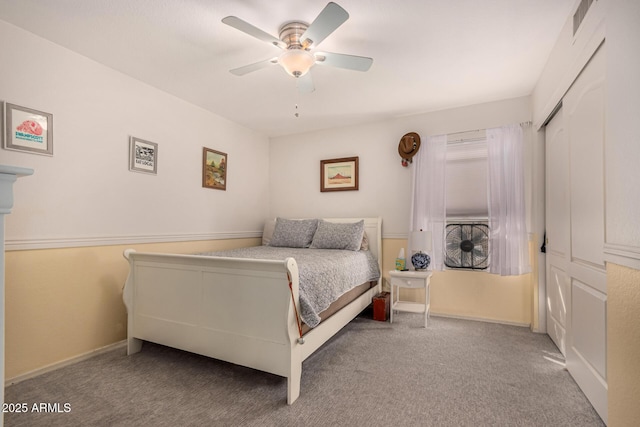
x,y
410,279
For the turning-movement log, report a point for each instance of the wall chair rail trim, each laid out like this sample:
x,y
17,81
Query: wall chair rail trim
x,y
74,242
627,256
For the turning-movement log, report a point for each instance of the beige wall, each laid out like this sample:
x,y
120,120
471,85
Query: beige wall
x,y
623,345
621,155
471,294
63,303
623,211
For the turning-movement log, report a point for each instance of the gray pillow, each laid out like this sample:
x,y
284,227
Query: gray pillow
x,y
338,235
293,233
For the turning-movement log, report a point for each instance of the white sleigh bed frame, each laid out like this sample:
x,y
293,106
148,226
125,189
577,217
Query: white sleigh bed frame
x,y
232,309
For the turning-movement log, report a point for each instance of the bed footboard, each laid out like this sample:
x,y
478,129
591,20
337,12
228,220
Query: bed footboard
x,y
237,310
233,309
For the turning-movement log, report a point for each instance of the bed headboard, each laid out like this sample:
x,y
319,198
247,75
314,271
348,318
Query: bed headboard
x,y
373,228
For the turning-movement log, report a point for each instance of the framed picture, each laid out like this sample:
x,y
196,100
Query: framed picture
x,y
28,130
2,138
214,169
143,156
339,174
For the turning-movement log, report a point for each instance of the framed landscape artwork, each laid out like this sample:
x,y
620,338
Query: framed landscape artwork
x,y
339,174
214,169
28,130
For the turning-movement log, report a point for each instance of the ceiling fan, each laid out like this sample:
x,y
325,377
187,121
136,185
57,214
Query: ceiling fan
x,y
298,41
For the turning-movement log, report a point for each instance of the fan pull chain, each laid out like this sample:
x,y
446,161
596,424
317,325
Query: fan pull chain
x,y
296,114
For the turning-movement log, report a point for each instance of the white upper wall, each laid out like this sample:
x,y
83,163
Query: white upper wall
x,y
385,186
85,192
568,57
622,147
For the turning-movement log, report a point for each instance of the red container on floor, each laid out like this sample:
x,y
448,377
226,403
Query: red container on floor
x,y
381,304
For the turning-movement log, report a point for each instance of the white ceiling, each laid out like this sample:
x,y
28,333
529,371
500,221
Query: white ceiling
x,y
428,54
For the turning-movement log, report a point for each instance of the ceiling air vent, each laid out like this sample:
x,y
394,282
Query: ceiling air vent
x,y
581,12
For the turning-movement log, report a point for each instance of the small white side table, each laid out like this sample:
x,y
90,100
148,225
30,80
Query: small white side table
x,y
410,279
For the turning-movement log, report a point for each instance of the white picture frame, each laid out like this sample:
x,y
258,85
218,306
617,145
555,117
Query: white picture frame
x,y
27,130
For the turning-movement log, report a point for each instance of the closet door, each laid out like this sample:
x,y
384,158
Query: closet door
x,y
576,274
557,229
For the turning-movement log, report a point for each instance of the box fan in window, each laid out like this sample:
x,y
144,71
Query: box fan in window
x,y
467,246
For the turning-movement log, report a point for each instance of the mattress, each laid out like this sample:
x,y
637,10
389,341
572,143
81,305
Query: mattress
x,y
341,302
325,274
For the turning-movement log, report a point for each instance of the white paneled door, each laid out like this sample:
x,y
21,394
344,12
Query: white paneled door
x,y
576,275
557,224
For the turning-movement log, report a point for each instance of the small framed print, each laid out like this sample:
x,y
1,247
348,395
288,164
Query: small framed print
x,y
28,130
214,169
339,174
143,156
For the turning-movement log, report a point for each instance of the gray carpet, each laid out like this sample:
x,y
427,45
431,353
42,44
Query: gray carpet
x,y
455,373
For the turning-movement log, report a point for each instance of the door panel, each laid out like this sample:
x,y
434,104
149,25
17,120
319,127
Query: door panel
x,y
575,212
557,301
557,224
586,121
557,187
589,310
586,314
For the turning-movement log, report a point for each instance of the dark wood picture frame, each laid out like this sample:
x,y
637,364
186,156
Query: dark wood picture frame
x,y
214,169
339,174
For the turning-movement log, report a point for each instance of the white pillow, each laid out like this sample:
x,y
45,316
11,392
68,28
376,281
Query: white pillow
x,y
365,242
267,232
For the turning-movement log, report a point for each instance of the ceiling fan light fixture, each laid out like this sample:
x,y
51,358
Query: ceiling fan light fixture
x,y
296,62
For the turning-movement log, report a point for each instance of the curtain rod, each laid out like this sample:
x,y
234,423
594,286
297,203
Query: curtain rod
x,y
465,140
465,131
527,123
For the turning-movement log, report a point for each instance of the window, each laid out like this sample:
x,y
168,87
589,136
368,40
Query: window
x,y
467,233
465,191
466,178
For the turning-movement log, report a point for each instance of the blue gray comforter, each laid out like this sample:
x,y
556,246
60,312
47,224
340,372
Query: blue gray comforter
x,y
325,274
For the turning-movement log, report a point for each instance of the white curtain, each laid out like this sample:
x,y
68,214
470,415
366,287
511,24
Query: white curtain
x,y
428,207
508,244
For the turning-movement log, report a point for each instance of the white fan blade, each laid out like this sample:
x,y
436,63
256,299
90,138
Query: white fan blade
x,y
305,83
331,17
247,28
241,71
350,62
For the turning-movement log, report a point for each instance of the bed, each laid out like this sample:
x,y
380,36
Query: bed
x,y
241,310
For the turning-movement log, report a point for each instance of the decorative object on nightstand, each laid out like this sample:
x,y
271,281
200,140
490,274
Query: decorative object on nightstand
x,y
401,262
420,243
410,279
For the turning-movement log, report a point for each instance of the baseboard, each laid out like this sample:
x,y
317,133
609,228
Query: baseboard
x,y
63,363
480,319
